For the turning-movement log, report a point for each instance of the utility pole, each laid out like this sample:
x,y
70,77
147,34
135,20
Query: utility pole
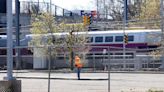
x,y
162,35
50,7
125,19
104,9
71,49
9,40
97,5
17,12
38,5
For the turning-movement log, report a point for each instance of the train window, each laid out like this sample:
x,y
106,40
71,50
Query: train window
x,y
109,39
111,55
89,56
3,52
60,58
131,38
129,55
90,39
98,54
118,55
99,39
119,39
129,65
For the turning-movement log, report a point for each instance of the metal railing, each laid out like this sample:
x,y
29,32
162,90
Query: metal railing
x,y
96,59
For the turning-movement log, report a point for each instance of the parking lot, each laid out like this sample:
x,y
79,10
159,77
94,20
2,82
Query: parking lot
x,y
91,82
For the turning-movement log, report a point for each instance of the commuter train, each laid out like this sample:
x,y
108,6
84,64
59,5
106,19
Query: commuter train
x,y
112,41
136,38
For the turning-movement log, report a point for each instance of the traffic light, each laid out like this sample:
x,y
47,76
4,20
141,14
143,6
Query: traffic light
x,y
89,20
85,20
126,38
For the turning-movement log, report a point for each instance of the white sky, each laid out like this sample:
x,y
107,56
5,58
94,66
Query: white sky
x,y
72,4
76,4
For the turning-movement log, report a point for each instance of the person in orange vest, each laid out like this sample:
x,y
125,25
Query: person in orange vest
x,y
78,65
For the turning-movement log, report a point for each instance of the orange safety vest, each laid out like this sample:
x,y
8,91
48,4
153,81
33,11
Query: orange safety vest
x,y
78,63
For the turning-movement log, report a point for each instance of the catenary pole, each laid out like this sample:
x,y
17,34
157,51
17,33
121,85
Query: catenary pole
x,y
9,40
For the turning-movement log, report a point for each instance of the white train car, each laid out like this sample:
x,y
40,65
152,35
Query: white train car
x,y
133,58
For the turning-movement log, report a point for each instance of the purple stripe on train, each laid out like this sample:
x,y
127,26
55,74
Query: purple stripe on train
x,y
101,47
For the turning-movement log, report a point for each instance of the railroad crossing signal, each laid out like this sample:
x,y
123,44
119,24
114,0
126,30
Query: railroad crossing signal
x,y
126,38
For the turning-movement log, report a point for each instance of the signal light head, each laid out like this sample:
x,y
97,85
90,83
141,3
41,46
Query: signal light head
x,y
126,38
87,20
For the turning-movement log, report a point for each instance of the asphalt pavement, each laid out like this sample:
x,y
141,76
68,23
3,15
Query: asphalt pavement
x,y
37,81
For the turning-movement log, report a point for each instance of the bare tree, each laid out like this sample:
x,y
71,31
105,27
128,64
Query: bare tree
x,y
32,8
45,30
114,8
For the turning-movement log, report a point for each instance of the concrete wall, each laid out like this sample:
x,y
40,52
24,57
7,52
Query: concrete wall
x,y
10,86
39,59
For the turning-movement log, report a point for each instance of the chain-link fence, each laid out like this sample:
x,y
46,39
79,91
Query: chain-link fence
x,y
93,58
61,14
29,7
135,24
103,68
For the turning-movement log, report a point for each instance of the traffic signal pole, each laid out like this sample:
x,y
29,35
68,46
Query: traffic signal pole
x,y
124,28
17,12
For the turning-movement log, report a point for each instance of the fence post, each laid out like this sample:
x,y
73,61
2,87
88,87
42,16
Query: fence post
x,y
109,69
94,63
49,67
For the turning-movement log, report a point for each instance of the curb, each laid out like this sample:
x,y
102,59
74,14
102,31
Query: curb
x,y
60,78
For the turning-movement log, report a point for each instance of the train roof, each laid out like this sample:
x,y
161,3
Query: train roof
x,y
104,32
3,36
126,31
